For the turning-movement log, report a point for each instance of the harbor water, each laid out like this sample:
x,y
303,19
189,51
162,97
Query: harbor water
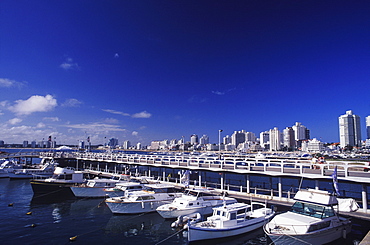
x,y
26,219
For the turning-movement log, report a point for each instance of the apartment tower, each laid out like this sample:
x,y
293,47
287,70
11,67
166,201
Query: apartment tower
x,y
349,129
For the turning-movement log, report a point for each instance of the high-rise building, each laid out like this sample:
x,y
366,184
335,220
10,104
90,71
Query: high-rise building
x,y
194,139
113,142
250,137
349,130
300,132
126,144
368,127
289,138
238,137
264,138
204,140
226,140
275,139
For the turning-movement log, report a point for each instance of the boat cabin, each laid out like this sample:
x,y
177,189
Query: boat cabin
x,y
66,175
230,215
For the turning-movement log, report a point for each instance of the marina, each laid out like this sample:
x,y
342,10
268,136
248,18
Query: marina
x,y
217,178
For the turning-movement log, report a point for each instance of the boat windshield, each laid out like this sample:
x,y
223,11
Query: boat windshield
x,y
62,176
313,210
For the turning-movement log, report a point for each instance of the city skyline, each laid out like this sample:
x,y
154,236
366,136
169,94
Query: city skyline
x,y
144,71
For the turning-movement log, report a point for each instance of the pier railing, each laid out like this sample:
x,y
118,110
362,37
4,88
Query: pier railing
x,y
346,170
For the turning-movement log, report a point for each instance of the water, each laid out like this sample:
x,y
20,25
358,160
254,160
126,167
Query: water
x,y
55,221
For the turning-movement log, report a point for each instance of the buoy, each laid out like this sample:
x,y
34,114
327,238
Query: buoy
x,y
29,213
10,205
73,238
33,225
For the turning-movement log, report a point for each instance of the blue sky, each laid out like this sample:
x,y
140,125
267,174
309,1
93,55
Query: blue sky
x,y
154,70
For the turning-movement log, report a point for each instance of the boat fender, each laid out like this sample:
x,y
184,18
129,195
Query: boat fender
x,y
344,235
151,205
142,205
73,238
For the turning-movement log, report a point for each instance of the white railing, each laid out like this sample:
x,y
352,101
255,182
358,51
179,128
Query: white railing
x,y
349,170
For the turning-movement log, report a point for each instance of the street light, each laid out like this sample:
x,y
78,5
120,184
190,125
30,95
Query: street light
x,y
219,142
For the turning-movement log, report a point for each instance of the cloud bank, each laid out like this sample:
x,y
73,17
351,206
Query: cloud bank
x,y
35,103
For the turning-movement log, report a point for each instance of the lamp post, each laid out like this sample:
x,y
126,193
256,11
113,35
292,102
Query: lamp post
x,y
219,142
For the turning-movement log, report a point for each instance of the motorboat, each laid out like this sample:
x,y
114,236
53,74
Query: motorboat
x,y
8,166
311,220
95,188
230,220
42,170
121,189
199,200
143,201
59,183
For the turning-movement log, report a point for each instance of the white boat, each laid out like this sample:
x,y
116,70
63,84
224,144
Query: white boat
x,y
42,170
96,187
194,201
230,220
8,166
59,183
143,201
121,189
311,220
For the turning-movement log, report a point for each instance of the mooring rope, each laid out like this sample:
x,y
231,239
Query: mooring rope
x,y
170,236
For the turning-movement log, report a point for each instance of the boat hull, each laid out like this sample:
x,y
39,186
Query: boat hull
x,y
91,192
318,237
43,188
135,207
196,233
171,214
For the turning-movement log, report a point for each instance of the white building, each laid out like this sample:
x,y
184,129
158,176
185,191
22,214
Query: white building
x,y
250,137
126,145
238,137
194,139
289,138
264,139
368,127
300,132
229,147
227,140
275,139
313,145
204,140
349,130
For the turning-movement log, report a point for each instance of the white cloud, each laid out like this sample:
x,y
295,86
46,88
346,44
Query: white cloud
x,y
68,64
72,103
116,112
143,114
35,103
40,125
111,120
96,127
218,92
52,119
135,133
14,121
4,103
7,83
223,92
